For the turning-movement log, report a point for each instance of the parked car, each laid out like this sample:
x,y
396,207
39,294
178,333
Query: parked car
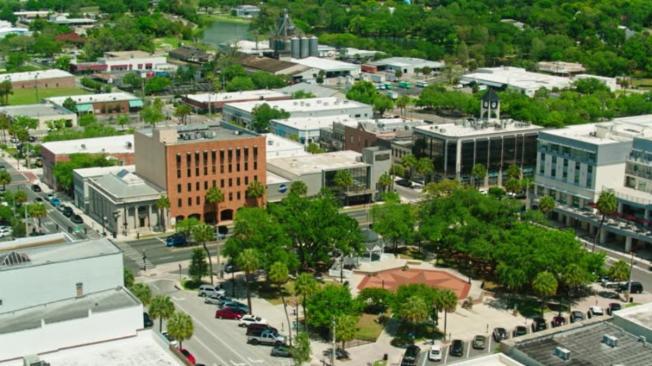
x,y
281,350
576,316
77,219
595,311
67,211
479,342
235,305
176,240
259,328
248,319
173,342
36,188
636,287
434,354
54,201
188,356
558,321
147,321
457,348
266,337
539,324
228,313
520,330
231,267
5,231
614,306
404,183
215,300
499,334
411,355
340,354
210,291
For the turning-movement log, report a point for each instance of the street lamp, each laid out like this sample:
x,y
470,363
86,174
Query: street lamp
x,y
104,222
116,215
36,84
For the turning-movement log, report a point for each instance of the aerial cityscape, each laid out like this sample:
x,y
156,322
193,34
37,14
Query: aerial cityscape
x,y
287,183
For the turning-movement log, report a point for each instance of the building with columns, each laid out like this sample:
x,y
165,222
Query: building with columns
x,y
575,164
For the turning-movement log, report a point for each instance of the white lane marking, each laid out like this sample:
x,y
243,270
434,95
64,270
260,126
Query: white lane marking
x,y
215,336
209,350
425,358
161,240
255,361
468,349
237,363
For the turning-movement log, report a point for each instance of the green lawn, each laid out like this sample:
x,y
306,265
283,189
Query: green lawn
x,y
224,18
166,42
28,96
368,328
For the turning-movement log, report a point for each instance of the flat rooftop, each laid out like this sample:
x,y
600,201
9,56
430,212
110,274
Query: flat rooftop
x,y
586,347
409,61
317,90
94,98
214,131
31,241
126,185
68,309
275,179
614,131
476,128
496,359
35,75
277,146
236,96
316,123
640,314
36,110
144,349
95,172
127,55
47,253
303,105
516,77
325,64
316,163
109,145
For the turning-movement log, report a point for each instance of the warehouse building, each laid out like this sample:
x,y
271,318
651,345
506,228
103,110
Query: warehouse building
x,y
214,102
407,65
43,113
106,103
43,79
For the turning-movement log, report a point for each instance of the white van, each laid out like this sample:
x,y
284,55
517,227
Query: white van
x,y
210,291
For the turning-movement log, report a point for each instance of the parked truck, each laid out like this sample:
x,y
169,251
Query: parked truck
x,y
267,337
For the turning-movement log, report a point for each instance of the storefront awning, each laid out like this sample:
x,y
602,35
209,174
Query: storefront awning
x,y
136,103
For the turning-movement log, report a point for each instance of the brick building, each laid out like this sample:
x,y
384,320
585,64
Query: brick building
x,y
187,161
120,148
212,102
107,103
43,79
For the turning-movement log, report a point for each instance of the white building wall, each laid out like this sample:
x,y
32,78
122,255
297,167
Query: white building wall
x,y
156,63
611,176
96,327
29,286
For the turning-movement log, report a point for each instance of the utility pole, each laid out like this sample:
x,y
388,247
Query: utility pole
x,y
333,353
629,281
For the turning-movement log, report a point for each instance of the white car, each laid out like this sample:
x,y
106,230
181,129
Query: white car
x,y
210,291
434,354
596,311
5,231
248,319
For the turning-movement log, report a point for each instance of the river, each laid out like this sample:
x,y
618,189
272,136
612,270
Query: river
x,y
224,31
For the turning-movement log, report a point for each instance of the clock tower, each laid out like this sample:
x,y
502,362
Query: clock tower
x,y
490,107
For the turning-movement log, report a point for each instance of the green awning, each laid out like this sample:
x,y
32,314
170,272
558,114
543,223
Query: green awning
x,y
136,103
84,107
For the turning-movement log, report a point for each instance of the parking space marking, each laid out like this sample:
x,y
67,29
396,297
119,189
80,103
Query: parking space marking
x,y
468,349
255,361
237,363
209,349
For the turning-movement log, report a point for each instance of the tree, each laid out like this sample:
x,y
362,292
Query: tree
x,y
374,300
299,188
20,197
263,114
142,292
278,274
544,285
514,172
180,327
343,180
182,111
314,148
619,271
607,205
414,311
161,308
546,204
5,124
128,278
329,303
398,73
402,102
301,350
478,172
37,211
162,205
204,233
157,84
255,190
122,120
513,185
240,83
215,196
186,225
70,105
249,261
5,178
425,168
446,300
302,94
385,182
6,89
409,162
394,221
153,113
305,286
198,267
382,103
346,326
363,92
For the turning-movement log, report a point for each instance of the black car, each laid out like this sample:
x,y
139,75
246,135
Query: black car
x,y
147,321
558,321
614,306
281,350
340,354
231,267
519,331
538,324
36,188
410,356
67,211
576,316
457,348
77,219
499,334
404,183
636,287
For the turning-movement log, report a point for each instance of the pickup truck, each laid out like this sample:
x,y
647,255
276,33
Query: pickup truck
x,y
266,337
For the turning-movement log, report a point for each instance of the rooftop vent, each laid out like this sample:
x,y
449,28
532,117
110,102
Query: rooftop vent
x,y
562,353
129,144
83,146
643,340
13,258
610,340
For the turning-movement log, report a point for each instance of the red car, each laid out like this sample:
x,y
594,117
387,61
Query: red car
x,y
188,355
228,313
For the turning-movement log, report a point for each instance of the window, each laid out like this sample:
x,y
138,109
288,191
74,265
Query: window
x,y
246,181
221,183
178,161
230,196
197,186
197,171
79,289
206,169
178,188
230,168
230,182
178,173
189,201
237,181
189,187
542,164
179,203
238,195
206,184
213,182
197,200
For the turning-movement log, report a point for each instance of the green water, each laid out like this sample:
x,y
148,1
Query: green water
x,y
226,32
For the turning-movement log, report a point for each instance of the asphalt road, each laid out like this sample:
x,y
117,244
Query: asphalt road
x,y
447,358
157,253
216,342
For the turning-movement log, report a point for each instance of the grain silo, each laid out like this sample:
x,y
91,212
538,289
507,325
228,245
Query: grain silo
x,y
313,47
305,47
295,47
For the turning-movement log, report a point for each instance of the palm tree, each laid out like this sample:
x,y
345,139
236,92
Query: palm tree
x,y
162,205
299,188
182,111
402,102
20,197
343,180
142,292
5,178
215,196
446,301
409,162
425,168
255,190
544,285
607,205
619,271
546,204
249,262
37,211
278,274
478,172
161,307
180,327
305,286
204,233
414,311
5,123
513,185
384,182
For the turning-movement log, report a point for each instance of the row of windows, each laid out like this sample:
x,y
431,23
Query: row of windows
x,y
202,167
198,200
227,155
223,183
564,174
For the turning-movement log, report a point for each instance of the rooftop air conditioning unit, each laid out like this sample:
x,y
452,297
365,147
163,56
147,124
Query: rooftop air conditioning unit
x,y
610,340
83,146
129,144
34,360
562,353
